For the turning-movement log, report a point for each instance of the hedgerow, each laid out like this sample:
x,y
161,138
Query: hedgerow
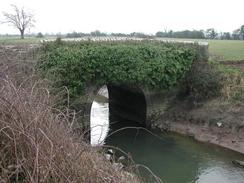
x,y
149,64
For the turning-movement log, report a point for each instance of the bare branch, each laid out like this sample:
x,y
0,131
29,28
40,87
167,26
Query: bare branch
x,y
20,19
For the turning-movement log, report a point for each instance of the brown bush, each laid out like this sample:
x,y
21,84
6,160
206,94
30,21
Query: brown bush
x,y
36,140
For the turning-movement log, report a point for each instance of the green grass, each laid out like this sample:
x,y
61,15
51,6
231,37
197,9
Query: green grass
x,y
17,40
226,49
221,50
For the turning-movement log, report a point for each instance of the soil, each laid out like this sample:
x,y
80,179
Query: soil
x,y
20,51
216,122
235,64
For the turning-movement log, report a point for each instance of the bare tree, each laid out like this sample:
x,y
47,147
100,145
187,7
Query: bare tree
x,y
20,19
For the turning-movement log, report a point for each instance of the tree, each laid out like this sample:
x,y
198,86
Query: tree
x,y
39,35
242,32
211,33
97,33
20,19
195,34
225,36
76,34
161,34
119,34
139,35
236,34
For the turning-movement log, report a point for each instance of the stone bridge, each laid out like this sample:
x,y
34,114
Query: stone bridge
x,y
137,104
130,103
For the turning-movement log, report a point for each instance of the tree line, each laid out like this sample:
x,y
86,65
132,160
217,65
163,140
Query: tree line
x,y
211,33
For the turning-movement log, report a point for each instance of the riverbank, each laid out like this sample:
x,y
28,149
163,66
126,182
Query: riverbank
x,y
218,136
208,106
215,122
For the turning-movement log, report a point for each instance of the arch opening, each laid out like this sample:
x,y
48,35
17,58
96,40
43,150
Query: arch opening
x,y
127,106
114,107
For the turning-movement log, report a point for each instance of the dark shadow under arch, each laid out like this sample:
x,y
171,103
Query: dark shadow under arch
x,y
127,106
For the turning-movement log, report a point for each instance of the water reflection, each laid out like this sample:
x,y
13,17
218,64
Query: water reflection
x,y
99,121
174,158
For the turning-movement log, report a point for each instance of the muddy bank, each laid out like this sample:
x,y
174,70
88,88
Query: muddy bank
x,y
214,135
239,64
221,124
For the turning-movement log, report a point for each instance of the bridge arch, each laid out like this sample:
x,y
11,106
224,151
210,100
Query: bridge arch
x,y
126,103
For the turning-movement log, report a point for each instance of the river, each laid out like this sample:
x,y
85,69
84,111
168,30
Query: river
x,y
173,158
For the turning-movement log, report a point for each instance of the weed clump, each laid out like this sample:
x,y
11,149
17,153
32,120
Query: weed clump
x,y
203,82
207,80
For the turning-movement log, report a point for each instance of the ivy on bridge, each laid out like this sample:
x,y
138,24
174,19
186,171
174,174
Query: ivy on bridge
x,y
145,63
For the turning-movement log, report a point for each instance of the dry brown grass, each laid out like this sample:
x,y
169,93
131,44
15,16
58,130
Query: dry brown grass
x,y
36,140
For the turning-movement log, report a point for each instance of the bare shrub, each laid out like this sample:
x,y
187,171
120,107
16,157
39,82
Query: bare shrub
x,y
37,143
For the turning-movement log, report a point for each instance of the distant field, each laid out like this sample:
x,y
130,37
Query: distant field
x,y
221,50
16,40
226,49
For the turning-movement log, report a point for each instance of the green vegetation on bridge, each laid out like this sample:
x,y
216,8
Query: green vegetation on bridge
x,y
152,64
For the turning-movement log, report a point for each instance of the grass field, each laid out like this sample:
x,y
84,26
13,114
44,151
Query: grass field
x,y
27,40
221,50
17,40
226,49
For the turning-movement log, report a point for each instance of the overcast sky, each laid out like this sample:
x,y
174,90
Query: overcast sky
x,y
148,16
